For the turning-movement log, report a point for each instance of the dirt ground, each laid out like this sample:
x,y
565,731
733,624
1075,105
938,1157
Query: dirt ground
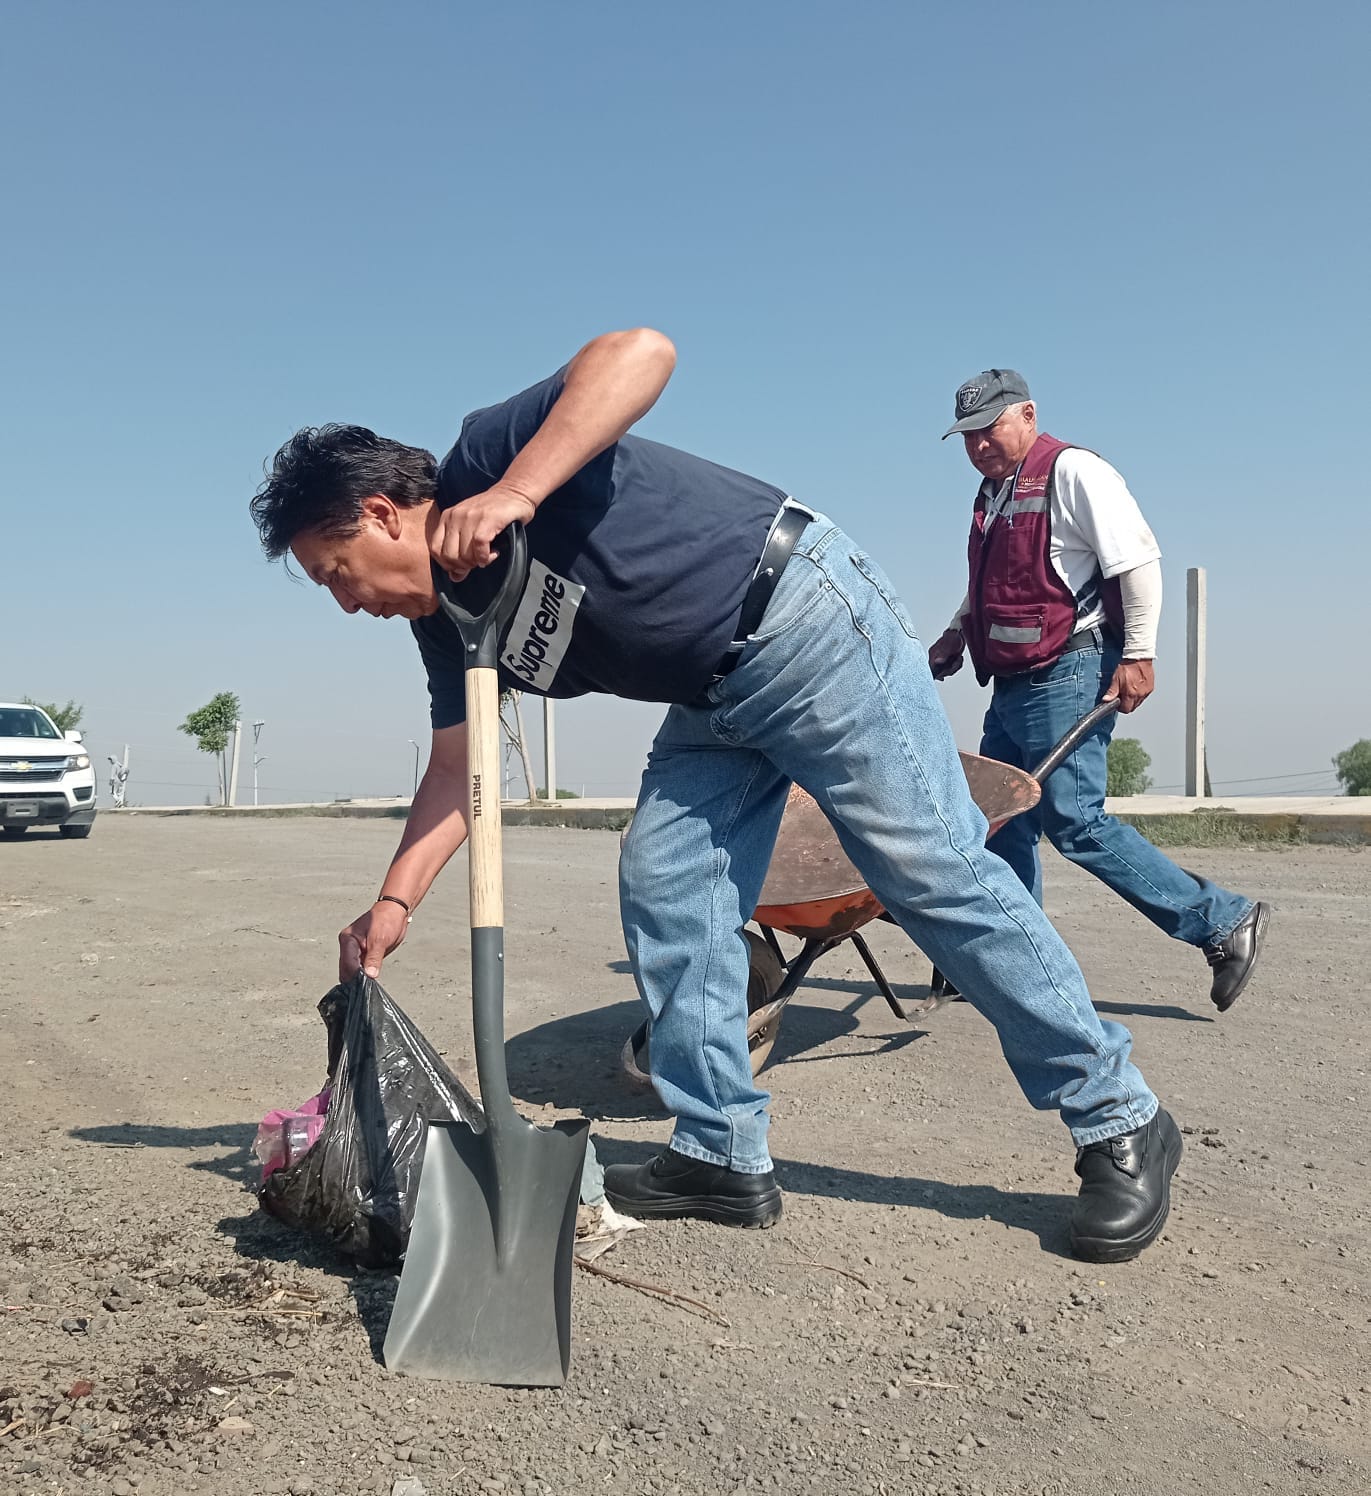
x,y
912,1325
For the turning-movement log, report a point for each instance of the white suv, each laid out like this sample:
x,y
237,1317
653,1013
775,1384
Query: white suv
x,y
46,777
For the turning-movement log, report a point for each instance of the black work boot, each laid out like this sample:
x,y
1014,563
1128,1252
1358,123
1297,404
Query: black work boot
x,y
1234,957
673,1185
1125,1193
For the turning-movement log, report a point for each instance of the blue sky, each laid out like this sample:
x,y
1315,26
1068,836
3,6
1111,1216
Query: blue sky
x,y
227,222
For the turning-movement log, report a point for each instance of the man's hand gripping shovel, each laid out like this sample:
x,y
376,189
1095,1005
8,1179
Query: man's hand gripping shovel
x,y
485,1294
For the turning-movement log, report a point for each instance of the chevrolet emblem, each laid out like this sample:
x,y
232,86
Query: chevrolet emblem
x,y
22,766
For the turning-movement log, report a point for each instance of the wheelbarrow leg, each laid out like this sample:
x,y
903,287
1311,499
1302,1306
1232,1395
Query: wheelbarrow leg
x,y
798,969
878,976
939,986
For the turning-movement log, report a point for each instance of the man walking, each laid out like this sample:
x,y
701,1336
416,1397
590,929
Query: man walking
x,y
783,655
1061,613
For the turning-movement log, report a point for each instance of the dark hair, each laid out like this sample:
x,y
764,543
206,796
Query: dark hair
x,y
321,475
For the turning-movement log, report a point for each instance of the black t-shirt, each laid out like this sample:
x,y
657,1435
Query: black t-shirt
x,y
637,567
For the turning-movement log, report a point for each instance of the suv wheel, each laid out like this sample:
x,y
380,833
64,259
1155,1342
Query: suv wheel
x,y
74,830
12,833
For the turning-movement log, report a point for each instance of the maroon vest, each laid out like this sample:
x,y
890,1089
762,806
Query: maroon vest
x,y
1021,613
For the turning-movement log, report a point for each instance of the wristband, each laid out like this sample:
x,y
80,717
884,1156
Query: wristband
x,y
389,898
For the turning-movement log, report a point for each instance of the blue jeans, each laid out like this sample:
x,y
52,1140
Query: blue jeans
x,y
833,692
1028,714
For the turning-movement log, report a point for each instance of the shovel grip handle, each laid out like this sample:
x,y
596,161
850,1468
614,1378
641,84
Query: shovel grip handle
x,y
481,631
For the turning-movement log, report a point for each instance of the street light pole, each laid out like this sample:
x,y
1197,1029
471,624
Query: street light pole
x,y
415,746
257,758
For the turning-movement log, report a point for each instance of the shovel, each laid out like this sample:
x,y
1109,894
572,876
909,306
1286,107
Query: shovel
x,y
485,1293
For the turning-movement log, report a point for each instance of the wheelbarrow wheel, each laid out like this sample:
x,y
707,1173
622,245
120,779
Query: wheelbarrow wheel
x,y
764,977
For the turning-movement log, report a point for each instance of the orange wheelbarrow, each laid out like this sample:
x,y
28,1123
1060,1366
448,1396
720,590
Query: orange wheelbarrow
x,y
814,894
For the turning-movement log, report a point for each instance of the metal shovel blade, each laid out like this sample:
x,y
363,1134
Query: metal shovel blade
x,y
485,1295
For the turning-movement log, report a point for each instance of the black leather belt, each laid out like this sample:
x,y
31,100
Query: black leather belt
x,y
1095,637
789,526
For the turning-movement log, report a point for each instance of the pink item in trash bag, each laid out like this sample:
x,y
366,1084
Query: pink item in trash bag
x,y
285,1136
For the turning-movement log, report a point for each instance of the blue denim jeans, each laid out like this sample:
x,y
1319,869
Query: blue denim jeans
x,y
1028,714
833,692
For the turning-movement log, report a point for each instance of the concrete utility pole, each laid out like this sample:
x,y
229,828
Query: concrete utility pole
x,y
233,768
257,758
549,749
1196,645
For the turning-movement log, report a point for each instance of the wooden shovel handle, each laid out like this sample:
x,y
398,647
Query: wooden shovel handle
x,y
481,651
485,837
480,634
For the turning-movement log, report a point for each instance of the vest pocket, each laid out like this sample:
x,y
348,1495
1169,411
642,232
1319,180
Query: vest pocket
x,y
1013,627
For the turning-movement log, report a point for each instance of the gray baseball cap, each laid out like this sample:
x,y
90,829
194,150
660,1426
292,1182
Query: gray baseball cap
x,y
980,401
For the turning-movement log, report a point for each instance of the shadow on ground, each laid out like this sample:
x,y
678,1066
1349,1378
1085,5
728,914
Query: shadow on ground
x,y
256,1235
237,1165
574,1061
1152,1010
915,993
260,1237
1041,1215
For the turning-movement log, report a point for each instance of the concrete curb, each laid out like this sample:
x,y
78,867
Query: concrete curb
x,y
345,810
1168,824
597,815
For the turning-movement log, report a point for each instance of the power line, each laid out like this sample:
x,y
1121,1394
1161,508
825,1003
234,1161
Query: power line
x,y
1303,774
1260,778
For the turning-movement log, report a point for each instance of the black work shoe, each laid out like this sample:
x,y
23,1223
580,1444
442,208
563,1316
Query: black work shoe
x,y
673,1185
1235,956
1125,1193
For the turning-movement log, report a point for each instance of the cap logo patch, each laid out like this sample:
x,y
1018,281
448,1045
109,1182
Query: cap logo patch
x,y
967,396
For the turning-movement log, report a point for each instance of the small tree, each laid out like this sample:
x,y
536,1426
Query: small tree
x,y
211,726
1127,767
64,718
1353,766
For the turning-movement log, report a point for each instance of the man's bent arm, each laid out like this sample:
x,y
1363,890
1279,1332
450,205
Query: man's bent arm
x,y
610,385
437,821
435,828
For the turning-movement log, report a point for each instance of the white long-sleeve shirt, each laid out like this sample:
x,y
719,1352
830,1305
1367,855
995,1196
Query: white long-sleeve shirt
x,y
1097,527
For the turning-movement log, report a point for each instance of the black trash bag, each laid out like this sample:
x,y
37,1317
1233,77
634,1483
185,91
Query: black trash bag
x,y
356,1186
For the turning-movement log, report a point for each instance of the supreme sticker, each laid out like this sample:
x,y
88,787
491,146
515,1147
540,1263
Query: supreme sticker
x,y
541,631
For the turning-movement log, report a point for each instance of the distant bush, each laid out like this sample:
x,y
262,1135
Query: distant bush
x,y
1354,768
1128,762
